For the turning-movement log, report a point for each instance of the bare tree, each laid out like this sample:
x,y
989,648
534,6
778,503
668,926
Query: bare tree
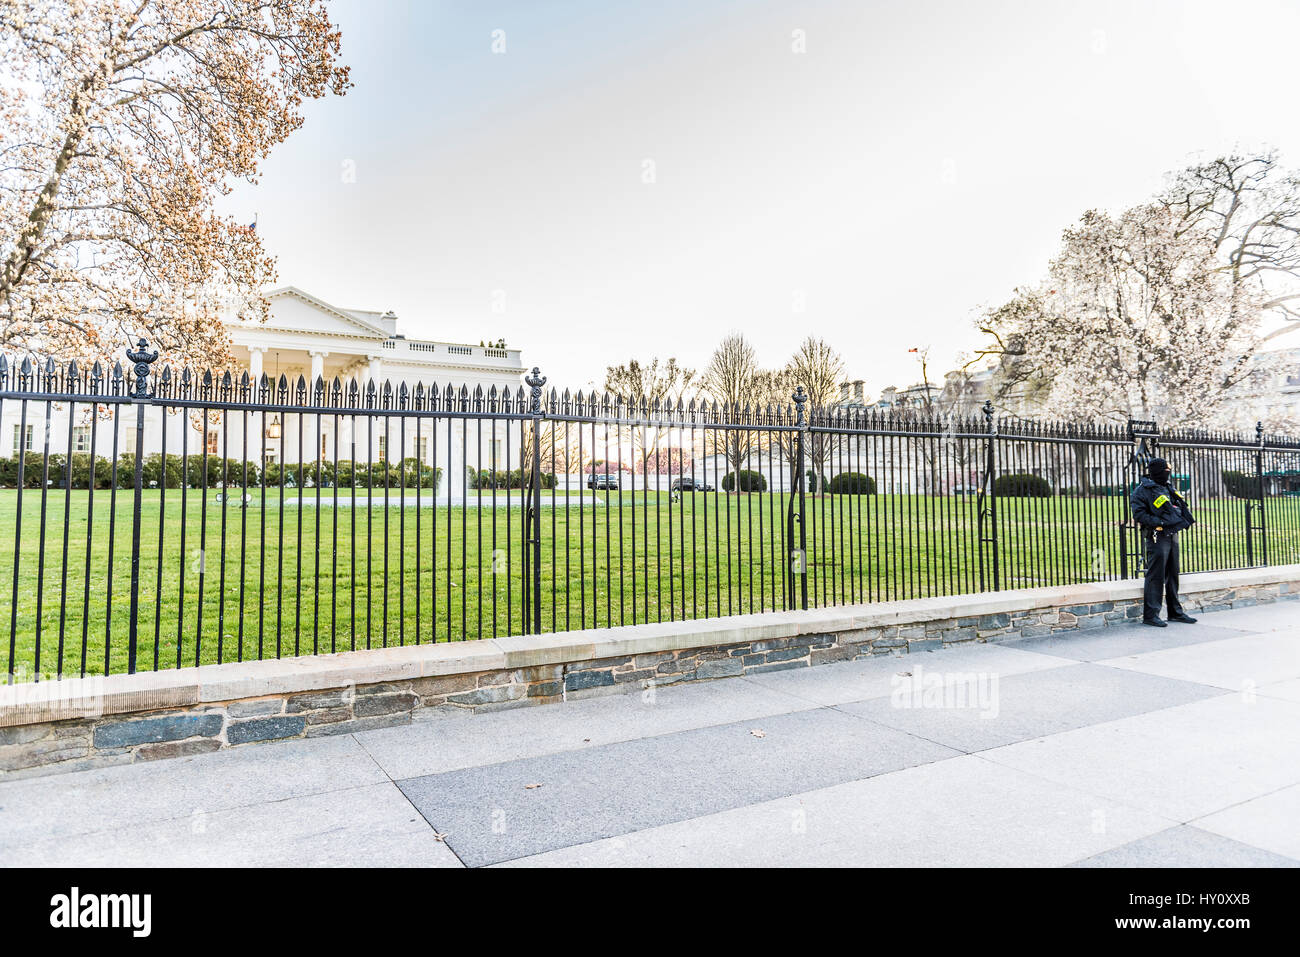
x,y
656,384
819,369
732,378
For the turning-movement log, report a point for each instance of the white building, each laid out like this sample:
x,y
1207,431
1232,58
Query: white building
x,y
309,338
1268,392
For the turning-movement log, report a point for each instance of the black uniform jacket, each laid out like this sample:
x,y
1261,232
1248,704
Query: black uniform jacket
x,y
1155,505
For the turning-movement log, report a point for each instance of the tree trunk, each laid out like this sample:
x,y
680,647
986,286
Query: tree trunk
x,y
1207,475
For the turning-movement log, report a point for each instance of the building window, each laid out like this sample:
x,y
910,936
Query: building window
x,y
383,448
19,443
81,438
212,443
422,444
324,446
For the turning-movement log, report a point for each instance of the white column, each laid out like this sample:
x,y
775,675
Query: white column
x,y
255,357
374,372
317,367
257,424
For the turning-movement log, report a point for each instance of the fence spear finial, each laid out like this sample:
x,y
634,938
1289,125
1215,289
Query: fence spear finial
x,y
142,358
535,380
800,400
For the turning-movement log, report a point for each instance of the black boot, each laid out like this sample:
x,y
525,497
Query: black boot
x,y
1154,622
1182,616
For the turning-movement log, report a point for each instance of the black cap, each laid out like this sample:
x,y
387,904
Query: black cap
x,y
1158,469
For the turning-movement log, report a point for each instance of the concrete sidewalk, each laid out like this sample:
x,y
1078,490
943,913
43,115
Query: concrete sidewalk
x,y
1123,747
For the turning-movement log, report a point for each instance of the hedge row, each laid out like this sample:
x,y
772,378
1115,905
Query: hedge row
x,y
219,472
1022,485
498,478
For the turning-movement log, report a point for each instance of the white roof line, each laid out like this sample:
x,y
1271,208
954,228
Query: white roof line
x,y
343,314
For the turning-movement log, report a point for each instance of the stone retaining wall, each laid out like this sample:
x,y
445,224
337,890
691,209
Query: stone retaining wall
x,y
115,729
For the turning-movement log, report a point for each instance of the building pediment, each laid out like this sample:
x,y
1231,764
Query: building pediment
x,y
293,310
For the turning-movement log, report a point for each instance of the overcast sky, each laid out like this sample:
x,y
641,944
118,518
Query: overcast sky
x,y
639,179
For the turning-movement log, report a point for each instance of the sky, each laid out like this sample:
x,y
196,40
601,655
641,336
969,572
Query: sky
x,y
608,180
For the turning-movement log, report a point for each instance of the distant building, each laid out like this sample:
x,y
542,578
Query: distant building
x,y
309,338
1268,393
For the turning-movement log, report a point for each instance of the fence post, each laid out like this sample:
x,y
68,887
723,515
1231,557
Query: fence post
x,y
142,358
1259,479
795,514
988,510
535,381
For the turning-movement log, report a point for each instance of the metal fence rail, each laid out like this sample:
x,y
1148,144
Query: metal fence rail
x,y
165,518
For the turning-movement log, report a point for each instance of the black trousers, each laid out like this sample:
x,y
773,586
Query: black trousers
x,y
1162,575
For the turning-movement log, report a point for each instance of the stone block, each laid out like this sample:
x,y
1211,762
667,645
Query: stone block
x,y
23,734
176,749
481,696
370,705
253,709
359,724
337,698
443,685
46,751
265,729
327,715
779,666
822,656
133,731
580,680
721,668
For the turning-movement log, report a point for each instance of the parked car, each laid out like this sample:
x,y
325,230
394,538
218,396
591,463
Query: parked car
x,y
603,481
690,485
965,490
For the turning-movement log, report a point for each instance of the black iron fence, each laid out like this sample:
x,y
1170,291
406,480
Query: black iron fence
x,y
164,518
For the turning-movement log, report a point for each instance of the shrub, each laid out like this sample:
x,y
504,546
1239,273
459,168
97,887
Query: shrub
x,y
1022,485
1240,485
852,483
749,481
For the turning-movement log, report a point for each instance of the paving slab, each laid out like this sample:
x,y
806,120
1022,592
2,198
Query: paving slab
x,y
448,742
1103,752
1183,762
970,712
1271,821
1123,640
1288,690
373,825
1186,846
85,802
964,812
877,677
1248,662
1272,616
524,807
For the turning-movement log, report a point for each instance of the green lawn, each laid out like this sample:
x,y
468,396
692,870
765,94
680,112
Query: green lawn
x,y
260,581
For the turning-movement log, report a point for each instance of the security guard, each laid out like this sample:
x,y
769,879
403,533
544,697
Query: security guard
x,y
1162,513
